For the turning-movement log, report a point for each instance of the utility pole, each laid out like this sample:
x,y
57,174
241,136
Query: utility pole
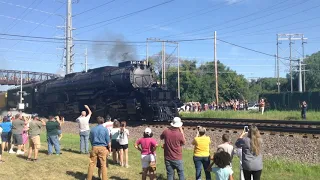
x,y
86,60
216,66
304,67
147,56
291,38
69,44
291,83
164,63
300,76
20,88
278,67
178,56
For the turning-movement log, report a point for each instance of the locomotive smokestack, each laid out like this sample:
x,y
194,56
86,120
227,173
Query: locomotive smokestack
x,y
115,51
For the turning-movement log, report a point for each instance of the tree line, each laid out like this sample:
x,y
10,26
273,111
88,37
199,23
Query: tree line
x,y
197,82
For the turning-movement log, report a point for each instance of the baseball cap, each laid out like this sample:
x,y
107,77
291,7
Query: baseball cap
x,y
147,131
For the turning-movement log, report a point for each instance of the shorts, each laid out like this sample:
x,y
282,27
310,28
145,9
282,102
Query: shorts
x,y
124,147
17,139
146,159
59,132
34,142
6,137
115,144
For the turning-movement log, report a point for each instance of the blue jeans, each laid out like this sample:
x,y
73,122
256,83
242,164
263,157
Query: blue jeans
x,y
171,165
53,141
198,163
84,141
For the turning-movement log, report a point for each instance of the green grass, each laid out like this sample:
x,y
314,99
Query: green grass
x,y
71,165
268,115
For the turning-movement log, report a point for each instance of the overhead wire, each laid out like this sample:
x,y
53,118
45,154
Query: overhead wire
x,y
24,7
119,18
228,21
94,8
183,18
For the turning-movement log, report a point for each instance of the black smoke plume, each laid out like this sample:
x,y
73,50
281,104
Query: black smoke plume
x,y
115,50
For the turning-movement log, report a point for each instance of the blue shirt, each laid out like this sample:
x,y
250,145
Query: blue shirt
x,y
6,127
222,173
99,136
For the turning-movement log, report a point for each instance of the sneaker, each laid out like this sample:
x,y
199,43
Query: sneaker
x,y
126,166
11,152
20,152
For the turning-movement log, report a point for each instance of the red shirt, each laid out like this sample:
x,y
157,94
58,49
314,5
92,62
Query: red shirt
x,y
147,144
173,140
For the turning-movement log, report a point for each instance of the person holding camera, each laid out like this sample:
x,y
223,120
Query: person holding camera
x,y
251,152
34,136
201,155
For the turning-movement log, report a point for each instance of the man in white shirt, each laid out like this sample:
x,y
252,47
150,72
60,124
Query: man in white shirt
x,y
108,124
84,130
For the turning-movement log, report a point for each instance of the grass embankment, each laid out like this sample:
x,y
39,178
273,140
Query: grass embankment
x,y
71,165
268,115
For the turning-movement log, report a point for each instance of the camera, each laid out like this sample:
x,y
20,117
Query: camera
x,y
246,129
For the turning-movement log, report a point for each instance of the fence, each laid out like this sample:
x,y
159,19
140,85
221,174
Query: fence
x,y
292,101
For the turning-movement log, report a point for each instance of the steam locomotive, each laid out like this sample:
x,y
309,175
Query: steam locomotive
x,y
127,91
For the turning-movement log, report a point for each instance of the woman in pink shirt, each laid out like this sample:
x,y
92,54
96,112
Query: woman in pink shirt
x,y
148,146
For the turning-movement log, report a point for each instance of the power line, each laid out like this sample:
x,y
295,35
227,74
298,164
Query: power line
x,y
198,13
126,15
31,22
235,19
91,9
28,8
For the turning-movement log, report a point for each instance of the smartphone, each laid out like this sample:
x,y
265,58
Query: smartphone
x,y
246,129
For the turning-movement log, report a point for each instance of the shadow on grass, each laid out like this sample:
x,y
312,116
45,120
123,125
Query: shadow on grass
x,y
22,157
71,150
79,175
291,118
117,178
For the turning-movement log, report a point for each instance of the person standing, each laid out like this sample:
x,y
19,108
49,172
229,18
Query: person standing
x,y
304,110
52,127
251,153
262,105
123,142
226,146
34,136
84,129
6,125
99,139
174,139
17,130
1,145
201,155
108,124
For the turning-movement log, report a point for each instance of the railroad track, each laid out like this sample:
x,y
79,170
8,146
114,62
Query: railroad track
x,y
302,127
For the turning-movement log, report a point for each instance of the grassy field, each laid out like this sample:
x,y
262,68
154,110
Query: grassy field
x,y
71,165
271,115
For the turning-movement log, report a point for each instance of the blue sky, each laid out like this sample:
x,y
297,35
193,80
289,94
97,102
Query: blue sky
x,y
250,23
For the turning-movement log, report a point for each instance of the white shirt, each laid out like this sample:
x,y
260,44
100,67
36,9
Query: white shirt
x,y
123,138
84,123
114,133
108,125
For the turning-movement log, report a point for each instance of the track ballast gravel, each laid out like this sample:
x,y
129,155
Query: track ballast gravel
x,y
296,148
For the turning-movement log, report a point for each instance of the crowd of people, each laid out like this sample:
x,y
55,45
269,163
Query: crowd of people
x,y
233,104
112,137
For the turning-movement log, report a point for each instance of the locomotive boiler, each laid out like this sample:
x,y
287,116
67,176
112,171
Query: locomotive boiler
x,y
127,91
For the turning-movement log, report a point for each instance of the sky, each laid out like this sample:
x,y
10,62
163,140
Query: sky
x,y
252,24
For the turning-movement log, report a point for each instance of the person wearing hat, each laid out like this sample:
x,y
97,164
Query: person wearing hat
x,y
201,156
174,139
34,136
147,146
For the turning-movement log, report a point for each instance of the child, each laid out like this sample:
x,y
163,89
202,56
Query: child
x,y
114,134
123,142
147,148
223,171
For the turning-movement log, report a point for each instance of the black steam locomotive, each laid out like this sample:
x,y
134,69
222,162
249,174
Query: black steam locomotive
x,y
127,92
